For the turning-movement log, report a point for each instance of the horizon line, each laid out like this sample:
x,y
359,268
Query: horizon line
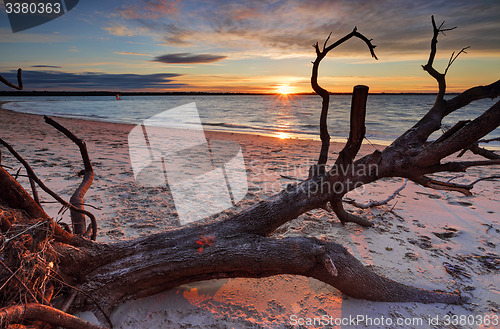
x,y
187,93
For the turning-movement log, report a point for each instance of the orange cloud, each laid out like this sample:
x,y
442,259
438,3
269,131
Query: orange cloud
x,y
130,53
150,9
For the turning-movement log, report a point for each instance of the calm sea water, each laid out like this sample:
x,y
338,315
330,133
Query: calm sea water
x,y
388,116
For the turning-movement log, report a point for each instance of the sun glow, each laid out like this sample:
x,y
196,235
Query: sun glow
x,y
283,135
284,89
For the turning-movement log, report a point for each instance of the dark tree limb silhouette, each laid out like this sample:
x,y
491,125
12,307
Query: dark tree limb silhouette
x,y
241,246
325,95
19,80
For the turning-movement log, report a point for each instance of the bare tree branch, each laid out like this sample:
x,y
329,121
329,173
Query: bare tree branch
x,y
461,166
18,197
346,217
19,80
489,140
320,54
466,135
376,203
472,94
78,218
34,191
452,59
462,188
476,149
439,185
33,176
484,178
38,312
440,78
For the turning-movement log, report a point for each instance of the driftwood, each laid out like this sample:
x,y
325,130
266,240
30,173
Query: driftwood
x,y
98,276
33,177
376,203
76,200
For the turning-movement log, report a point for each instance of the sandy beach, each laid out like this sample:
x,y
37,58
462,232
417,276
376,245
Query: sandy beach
x,y
416,238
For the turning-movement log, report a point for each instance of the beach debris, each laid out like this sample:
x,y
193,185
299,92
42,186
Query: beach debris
x,y
411,256
489,227
460,203
449,232
399,217
456,270
423,242
431,196
376,203
490,262
488,243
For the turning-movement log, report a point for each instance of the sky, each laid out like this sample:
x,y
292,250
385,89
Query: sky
x,y
252,46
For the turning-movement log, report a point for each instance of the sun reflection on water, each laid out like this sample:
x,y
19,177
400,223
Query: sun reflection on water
x,y
283,135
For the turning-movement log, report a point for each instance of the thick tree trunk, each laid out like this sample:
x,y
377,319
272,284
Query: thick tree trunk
x,y
144,267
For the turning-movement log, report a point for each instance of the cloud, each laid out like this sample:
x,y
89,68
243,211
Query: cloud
x,y
130,53
47,66
187,58
149,9
6,36
95,81
276,29
122,30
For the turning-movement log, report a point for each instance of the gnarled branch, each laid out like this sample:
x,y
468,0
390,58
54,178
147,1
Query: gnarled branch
x,y
35,178
345,217
377,203
429,67
77,217
320,54
476,149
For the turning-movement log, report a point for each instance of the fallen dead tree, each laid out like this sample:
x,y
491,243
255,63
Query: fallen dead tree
x,y
80,274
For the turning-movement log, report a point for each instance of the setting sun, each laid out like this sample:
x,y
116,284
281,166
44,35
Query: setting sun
x,y
283,135
284,89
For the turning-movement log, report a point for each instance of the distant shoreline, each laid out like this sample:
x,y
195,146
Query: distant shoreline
x,y
174,93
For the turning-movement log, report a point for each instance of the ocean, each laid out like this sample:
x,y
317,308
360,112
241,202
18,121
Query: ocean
x,y
292,116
